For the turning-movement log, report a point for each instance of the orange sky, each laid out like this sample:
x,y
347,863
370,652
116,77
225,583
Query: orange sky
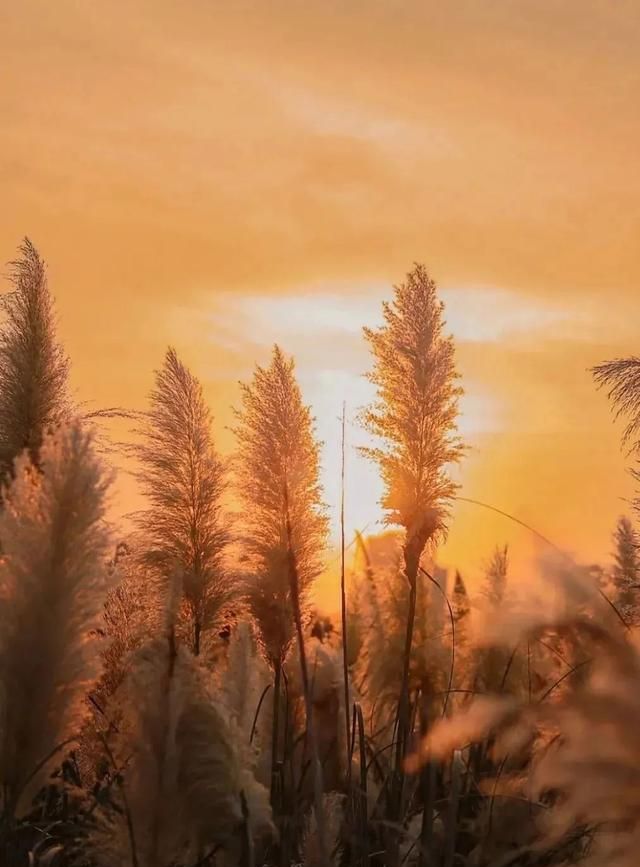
x,y
221,175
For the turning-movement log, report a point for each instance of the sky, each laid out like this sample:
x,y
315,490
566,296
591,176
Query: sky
x,y
219,176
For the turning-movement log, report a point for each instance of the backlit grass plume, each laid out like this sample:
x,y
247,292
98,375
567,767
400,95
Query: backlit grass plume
x,y
621,378
277,470
414,414
183,479
215,775
33,366
132,613
53,584
414,420
312,851
284,522
186,786
385,594
245,682
582,741
626,571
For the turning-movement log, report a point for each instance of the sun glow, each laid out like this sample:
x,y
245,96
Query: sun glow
x,y
508,430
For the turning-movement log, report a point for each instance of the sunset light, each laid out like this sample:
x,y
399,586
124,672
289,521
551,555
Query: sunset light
x,y
319,433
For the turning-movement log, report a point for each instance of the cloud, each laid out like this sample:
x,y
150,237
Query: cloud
x,y
245,146
220,176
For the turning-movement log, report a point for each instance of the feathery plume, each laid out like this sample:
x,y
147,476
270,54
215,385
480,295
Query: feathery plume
x,y
285,525
626,571
53,584
183,478
33,366
582,752
414,419
185,772
313,851
277,471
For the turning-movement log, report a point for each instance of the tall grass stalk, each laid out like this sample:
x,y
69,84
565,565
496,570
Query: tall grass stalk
x,y
34,369
343,601
275,736
452,812
304,671
53,584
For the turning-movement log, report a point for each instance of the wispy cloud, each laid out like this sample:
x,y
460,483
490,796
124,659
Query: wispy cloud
x,y
222,176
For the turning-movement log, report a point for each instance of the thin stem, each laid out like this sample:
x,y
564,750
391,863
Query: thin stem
x,y
547,541
127,809
275,733
343,600
453,637
452,814
257,713
304,670
428,787
41,764
363,806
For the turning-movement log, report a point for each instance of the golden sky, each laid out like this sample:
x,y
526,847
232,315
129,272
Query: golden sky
x,y
220,175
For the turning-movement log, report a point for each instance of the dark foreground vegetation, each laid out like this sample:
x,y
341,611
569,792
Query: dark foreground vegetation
x,y
168,697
